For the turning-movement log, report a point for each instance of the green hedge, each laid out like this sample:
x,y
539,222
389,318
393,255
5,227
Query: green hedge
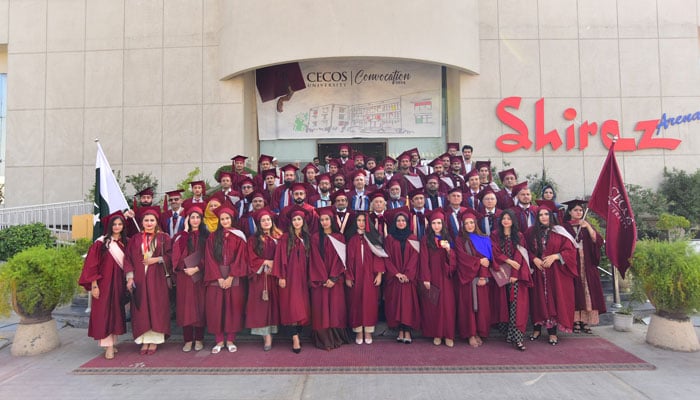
x,y
17,238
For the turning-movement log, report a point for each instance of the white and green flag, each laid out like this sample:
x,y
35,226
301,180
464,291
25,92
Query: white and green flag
x,y
108,195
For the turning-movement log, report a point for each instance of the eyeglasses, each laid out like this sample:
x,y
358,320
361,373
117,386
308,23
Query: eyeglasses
x,y
246,187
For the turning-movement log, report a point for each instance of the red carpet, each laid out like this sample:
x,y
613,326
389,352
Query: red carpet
x,y
574,353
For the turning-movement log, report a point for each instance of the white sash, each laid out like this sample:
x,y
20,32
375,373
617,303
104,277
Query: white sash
x,y
238,233
523,252
415,244
115,251
560,230
340,248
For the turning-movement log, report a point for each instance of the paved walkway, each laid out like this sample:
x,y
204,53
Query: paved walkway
x,y
49,376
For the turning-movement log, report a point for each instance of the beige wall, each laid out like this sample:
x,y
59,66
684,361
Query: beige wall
x,y
144,77
260,33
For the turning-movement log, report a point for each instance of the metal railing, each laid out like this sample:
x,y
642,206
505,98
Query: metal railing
x,y
57,217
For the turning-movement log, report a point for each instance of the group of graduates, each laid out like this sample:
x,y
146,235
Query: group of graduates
x,y
437,248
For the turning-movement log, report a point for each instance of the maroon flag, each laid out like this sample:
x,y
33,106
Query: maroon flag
x,y
609,200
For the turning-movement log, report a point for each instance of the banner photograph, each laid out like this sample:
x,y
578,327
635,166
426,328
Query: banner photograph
x,y
349,99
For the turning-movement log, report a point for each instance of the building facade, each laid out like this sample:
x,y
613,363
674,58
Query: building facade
x,y
170,85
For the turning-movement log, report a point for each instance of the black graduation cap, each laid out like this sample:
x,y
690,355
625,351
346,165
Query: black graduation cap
x,y
573,203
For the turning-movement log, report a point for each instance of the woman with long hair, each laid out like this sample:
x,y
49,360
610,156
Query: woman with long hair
x,y
438,263
262,308
590,301
291,267
147,267
553,253
103,277
326,275
366,264
188,265
225,271
401,302
473,251
509,254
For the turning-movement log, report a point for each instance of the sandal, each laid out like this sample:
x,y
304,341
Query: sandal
x,y
586,329
577,327
109,353
231,348
554,341
216,349
533,337
520,346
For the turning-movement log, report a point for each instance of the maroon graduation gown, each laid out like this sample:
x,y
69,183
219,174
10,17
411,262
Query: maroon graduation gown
x,y
552,296
260,313
471,322
293,267
153,312
363,296
401,302
189,296
107,316
224,307
591,251
328,308
437,267
500,295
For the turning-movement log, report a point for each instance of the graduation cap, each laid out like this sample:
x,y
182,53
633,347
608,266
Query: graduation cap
x,y
106,220
264,157
175,193
358,155
344,146
377,194
359,172
376,169
200,183
218,196
472,172
481,164
225,210
289,167
470,213
329,211
484,192
388,159
390,215
415,192
573,203
323,177
146,192
452,145
298,186
413,151
246,180
404,155
455,159
308,167
149,210
547,205
432,177
517,188
257,215
335,162
269,172
193,209
275,81
455,189
370,158
256,195
337,194
295,210
510,171
435,162
222,174
436,214
394,181
239,158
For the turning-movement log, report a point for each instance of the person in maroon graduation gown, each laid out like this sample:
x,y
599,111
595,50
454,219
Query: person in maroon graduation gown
x,y
147,267
366,264
553,253
103,276
402,307
262,308
590,302
190,294
473,251
437,265
291,268
326,275
225,271
514,300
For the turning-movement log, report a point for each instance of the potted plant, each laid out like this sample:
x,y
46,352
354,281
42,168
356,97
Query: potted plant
x,y
669,273
34,282
623,319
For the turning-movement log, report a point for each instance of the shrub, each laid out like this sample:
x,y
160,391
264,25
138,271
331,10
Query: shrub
x,y
82,246
669,273
17,238
40,278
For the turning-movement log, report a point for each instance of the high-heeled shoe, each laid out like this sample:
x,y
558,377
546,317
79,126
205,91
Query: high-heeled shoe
x,y
520,346
534,337
296,351
554,341
144,350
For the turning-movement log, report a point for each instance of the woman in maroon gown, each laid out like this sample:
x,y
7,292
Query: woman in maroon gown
x,y
401,290
553,253
590,301
508,250
262,308
147,267
366,259
473,251
188,265
437,265
103,277
326,269
291,268
225,271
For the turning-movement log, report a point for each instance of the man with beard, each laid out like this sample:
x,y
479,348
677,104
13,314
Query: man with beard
x,y
344,217
377,180
172,221
239,172
338,182
145,199
455,172
298,190
333,167
198,190
452,211
264,164
485,178
358,165
410,180
434,197
282,197
419,220
490,211
389,167
524,209
270,182
322,196
344,153
231,196
243,207
453,149
358,196
395,199
467,151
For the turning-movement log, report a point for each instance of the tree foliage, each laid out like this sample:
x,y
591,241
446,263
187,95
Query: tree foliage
x,y
19,237
683,193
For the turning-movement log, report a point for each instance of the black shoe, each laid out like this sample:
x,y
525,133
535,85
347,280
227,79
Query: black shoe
x,y
296,351
554,342
533,337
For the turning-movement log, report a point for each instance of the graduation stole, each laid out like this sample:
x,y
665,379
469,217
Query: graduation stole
x,y
343,223
340,248
115,251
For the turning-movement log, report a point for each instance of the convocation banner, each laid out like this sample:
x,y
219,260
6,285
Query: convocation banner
x,y
356,99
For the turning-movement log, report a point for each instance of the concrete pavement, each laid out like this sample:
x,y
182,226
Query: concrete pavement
x,y
49,376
